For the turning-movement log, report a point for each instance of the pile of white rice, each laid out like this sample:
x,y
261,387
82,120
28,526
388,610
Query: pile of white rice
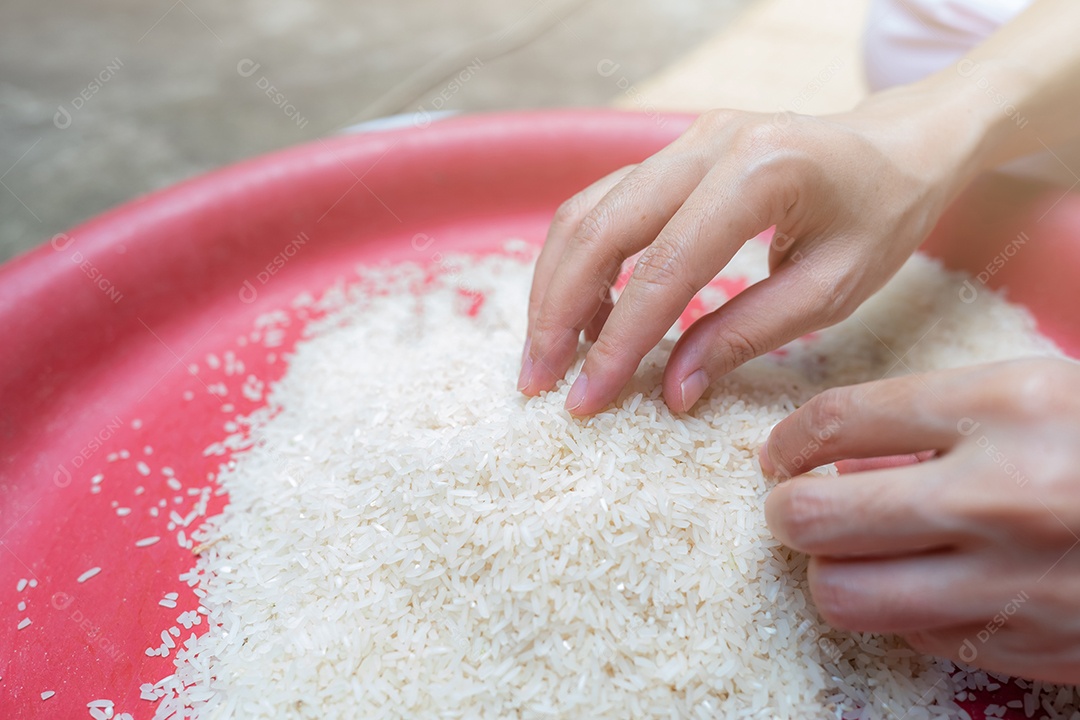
x,y
408,536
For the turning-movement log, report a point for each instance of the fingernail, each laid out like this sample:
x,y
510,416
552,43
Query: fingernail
x,y
577,392
525,350
767,466
692,388
525,378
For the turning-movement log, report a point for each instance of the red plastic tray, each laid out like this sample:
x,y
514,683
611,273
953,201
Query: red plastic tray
x,y
101,325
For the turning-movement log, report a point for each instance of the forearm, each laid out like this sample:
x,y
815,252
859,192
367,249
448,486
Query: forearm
x,y
1020,88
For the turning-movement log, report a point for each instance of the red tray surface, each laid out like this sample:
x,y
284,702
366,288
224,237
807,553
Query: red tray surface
x,y
101,324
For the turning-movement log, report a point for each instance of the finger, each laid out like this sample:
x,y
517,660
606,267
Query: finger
x,y
600,318
625,220
784,306
995,645
896,416
563,225
879,513
720,215
898,595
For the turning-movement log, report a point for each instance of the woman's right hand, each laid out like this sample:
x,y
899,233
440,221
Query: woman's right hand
x,y
851,196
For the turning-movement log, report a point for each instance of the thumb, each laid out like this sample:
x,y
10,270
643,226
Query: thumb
x,y
794,300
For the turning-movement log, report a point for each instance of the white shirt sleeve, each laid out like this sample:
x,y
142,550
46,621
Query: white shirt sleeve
x,y
906,40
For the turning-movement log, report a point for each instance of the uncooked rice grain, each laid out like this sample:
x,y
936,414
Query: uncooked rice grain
x,y
88,574
408,536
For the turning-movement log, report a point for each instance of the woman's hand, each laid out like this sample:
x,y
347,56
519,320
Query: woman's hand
x,y
973,555
851,197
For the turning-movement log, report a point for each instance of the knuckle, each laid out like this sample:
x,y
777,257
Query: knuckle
x,y
790,459
640,181
833,305
758,136
1027,391
593,247
661,265
813,431
547,328
766,152
606,351
735,348
772,171
825,413
1003,510
571,211
712,120
787,458
1038,389
589,236
834,292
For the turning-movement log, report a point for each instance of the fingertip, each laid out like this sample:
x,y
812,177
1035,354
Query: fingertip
x,y
768,467
695,362
586,397
577,395
550,360
678,393
525,373
597,385
771,459
690,390
774,513
524,383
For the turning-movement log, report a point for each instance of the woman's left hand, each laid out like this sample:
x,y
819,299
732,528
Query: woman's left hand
x,y
974,554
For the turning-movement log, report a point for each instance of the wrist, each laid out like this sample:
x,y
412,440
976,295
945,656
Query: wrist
x,y
936,130
988,96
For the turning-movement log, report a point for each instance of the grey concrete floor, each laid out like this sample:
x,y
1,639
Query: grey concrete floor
x,y
103,100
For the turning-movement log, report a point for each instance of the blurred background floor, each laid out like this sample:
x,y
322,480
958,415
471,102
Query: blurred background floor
x,y
103,100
